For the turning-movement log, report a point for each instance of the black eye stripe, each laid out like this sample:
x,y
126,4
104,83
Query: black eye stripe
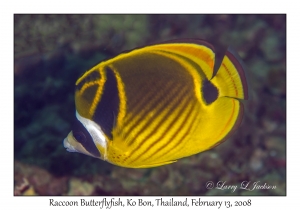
x,y
84,138
79,136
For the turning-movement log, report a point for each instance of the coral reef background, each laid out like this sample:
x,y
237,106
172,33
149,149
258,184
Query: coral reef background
x,y
52,51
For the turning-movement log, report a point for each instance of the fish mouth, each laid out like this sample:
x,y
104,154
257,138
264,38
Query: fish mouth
x,y
68,146
72,145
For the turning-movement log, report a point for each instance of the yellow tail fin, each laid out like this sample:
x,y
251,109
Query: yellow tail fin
x,y
230,78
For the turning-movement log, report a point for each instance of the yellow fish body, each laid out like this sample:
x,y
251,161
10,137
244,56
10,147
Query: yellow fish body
x,y
154,105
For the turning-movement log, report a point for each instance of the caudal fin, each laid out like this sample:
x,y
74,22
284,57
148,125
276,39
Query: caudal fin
x,y
230,78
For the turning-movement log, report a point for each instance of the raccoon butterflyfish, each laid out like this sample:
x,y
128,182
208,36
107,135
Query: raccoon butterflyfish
x,y
154,105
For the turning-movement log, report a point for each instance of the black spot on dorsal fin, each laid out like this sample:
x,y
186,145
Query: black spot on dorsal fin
x,y
209,91
108,107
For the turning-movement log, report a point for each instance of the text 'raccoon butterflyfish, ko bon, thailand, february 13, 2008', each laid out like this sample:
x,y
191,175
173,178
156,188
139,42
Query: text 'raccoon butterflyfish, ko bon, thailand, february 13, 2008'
x,y
154,105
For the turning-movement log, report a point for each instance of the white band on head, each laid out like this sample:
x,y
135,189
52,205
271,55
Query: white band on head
x,y
94,130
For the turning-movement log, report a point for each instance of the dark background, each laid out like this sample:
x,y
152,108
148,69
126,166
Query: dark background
x,y
52,51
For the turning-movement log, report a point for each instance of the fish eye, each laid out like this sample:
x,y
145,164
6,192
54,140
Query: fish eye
x,y
79,136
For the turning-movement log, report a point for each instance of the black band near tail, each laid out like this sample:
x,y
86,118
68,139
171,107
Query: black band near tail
x,y
209,91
